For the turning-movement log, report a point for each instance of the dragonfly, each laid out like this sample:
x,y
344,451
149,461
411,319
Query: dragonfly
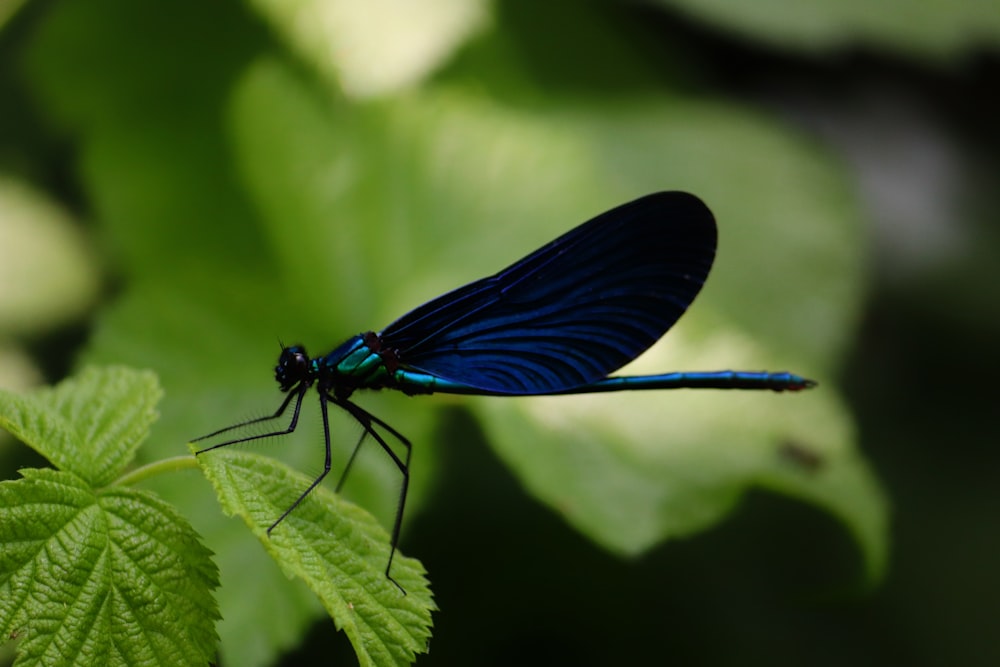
x,y
557,322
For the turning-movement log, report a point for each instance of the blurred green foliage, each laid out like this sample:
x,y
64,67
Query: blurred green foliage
x,y
308,170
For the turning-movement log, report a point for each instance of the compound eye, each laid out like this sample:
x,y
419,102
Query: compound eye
x,y
292,368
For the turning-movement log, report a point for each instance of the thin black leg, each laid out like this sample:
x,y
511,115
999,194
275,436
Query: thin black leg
x,y
297,395
366,419
350,461
326,463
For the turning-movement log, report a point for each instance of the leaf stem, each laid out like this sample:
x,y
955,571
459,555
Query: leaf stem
x,y
172,464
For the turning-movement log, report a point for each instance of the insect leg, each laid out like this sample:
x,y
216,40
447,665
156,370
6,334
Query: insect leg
x,y
297,395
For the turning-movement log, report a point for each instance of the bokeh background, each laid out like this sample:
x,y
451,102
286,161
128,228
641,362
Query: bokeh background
x,y
183,184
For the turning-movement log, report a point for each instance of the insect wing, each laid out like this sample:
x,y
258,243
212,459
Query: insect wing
x,y
573,311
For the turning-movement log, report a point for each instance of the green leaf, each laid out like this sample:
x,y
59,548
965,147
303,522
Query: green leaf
x,y
337,548
114,577
617,483
921,27
90,424
631,471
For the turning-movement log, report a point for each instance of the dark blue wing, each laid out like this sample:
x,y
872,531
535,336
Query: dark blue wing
x,y
574,310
